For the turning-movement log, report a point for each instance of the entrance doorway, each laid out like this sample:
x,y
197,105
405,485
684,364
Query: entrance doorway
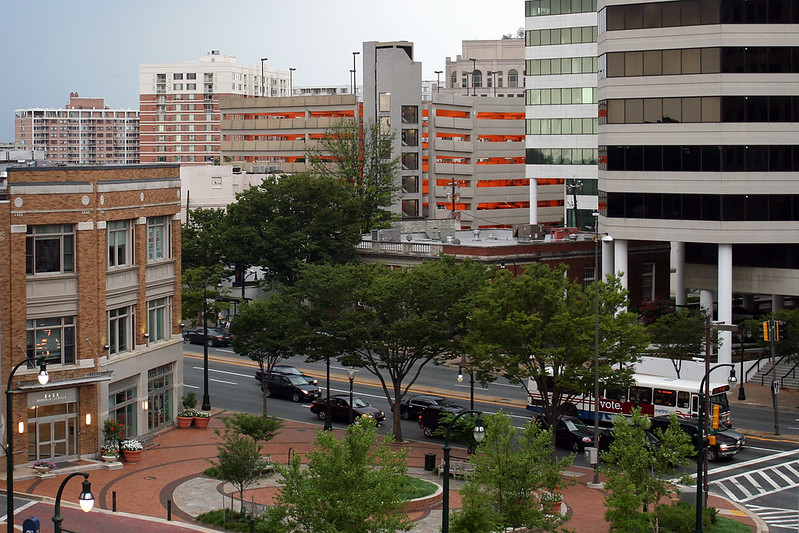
x,y
53,432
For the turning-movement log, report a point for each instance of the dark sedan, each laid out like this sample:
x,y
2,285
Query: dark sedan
x,y
297,388
287,370
728,442
570,432
340,408
216,337
606,438
411,408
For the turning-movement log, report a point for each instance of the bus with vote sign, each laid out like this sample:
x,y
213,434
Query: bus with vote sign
x,y
653,395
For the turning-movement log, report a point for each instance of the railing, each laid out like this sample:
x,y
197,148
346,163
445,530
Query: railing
x,y
791,371
401,248
777,363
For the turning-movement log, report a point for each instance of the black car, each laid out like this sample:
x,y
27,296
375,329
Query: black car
x,y
297,388
412,407
289,371
216,337
570,432
606,438
728,442
340,408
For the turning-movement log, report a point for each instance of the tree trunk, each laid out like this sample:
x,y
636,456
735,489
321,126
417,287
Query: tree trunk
x,y
395,413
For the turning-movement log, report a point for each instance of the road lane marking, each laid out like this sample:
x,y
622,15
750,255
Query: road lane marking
x,y
223,381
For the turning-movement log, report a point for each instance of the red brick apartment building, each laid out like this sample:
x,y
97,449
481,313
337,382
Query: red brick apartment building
x,y
91,282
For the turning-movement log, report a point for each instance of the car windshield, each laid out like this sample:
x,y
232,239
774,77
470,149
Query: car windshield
x,y
574,425
215,331
443,402
288,370
297,380
357,402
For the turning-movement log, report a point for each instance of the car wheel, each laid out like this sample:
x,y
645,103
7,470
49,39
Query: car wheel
x,y
405,414
712,454
209,342
575,447
295,397
321,414
268,392
428,432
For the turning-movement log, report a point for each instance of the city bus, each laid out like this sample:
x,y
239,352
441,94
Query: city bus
x,y
653,395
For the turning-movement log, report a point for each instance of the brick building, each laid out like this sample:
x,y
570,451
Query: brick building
x,y
92,284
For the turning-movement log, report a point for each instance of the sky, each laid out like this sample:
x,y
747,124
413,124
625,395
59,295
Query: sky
x,y
55,47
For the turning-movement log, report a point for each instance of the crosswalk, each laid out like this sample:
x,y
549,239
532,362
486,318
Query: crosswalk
x,y
777,518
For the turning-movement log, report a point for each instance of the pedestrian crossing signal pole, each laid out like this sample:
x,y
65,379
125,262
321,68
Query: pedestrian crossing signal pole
x,y
775,385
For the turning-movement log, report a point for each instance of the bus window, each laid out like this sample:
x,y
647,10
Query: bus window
x,y
720,399
640,394
616,394
665,397
695,408
683,399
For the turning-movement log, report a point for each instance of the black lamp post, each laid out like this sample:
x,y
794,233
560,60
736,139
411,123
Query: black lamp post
x,y
438,80
263,82
744,336
700,459
206,398
597,278
43,379
478,432
351,376
354,71
86,499
471,384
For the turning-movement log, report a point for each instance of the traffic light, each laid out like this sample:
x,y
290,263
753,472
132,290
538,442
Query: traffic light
x,y
765,330
780,331
711,440
714,420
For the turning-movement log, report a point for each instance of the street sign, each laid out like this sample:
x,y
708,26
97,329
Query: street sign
x,y
775,387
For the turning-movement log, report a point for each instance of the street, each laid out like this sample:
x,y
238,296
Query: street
x,y
764,476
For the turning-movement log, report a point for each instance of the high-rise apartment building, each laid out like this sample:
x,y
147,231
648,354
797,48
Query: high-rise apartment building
x,y
179,104
560,95
699,145
84,132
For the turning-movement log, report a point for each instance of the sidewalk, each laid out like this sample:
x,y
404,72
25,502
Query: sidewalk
x,y
172,472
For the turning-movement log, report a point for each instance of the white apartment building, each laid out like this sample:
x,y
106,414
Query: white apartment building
x,y
179,104
561,110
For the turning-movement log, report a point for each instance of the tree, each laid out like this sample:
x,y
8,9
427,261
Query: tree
x,y
202,238
199,282
349,485
239,462
292,220
514,469
785,346
361,157
679,335
392,322
637,478
266,332
540,325
258,428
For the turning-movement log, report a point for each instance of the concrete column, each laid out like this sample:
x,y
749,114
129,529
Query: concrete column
x,y
607,259
725,300
706,301
620,260
748,302
678,266
777,302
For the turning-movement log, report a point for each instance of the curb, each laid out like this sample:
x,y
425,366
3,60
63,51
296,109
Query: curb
x,y
760,524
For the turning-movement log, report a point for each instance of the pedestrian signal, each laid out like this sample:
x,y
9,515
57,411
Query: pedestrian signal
x,y
714,420
765,331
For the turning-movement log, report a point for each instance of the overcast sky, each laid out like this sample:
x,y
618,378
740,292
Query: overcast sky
x,y
54,47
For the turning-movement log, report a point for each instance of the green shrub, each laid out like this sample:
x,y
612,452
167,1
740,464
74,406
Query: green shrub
x,y
681,517
235,521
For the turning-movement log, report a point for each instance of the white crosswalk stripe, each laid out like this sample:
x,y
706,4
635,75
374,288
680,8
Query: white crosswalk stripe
x,y
746,486
777,519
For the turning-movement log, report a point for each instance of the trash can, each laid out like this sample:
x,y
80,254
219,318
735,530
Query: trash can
x,y
429,462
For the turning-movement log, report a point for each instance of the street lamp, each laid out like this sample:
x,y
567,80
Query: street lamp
x,y
597,279
43,378
351,376
291,81
86,499
354,69
438,80
478,433
262,74
474,67
206,406
700,459
247,273
741,391
471,383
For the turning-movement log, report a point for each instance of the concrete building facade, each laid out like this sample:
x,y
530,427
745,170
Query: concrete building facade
x,y
179,104
92,287
487,67
84,132
698,143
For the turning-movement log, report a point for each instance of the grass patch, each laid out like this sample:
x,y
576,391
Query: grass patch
x,y
728,525
416,488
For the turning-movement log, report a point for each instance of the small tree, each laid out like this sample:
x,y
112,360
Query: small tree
x,y
513,473
239,462
638,479
349,485
258,428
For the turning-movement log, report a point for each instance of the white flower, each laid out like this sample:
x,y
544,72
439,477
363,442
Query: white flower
x,y
131,445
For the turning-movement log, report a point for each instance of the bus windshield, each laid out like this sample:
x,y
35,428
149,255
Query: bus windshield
x,y
720,399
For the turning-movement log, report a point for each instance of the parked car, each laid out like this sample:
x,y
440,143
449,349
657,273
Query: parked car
x,y
287,370
412,407
431,418
290,386
728,441
606,438
570,432
340,408
216,337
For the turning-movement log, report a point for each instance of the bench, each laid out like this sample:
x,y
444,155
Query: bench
x,y
150,440
458,467
267,464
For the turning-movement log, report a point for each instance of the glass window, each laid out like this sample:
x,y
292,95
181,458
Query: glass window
x,y
410,161
653,63
158,319
120,329
52,339
477,78
385,102
410,208
118,243
640,394
665,397
672,62
513,78
410,137
158,242
122,407
410,184
410,114
50,249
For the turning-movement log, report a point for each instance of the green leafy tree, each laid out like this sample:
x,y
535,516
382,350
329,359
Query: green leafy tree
x,y
293,220
785,346
539,325
203,238
349,485
514,470
266,332
198,282
258,427
679,335
637,478
361,156
393,322
239,462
